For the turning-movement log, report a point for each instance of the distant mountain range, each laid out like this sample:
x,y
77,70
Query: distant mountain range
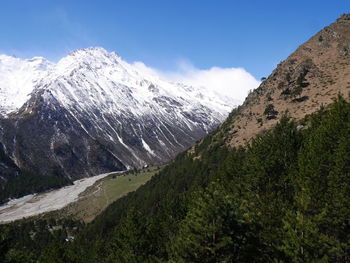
x,y
92,112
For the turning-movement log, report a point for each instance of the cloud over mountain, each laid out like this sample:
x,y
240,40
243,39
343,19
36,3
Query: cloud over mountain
x,y
234,83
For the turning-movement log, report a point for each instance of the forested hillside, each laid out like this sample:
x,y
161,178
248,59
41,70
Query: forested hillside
x,y
283,198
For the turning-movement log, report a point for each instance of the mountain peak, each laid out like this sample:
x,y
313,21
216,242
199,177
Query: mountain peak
x,y
89,51
92,58
94,52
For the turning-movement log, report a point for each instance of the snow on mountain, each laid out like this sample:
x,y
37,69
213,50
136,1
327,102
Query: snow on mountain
x,y
18,78
94,66
92,104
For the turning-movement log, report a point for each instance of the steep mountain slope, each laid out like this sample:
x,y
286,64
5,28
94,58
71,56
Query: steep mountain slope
x,y
92,112
314,74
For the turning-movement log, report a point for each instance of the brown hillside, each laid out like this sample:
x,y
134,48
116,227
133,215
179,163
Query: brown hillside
x,y
314,74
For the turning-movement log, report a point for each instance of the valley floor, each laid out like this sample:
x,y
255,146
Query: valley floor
x,y
98,197
83,200
31,205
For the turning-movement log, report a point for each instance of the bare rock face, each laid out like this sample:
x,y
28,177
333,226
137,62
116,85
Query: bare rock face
x,y
312,76
92,113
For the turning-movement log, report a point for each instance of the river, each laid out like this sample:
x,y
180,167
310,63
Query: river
x,y
35,204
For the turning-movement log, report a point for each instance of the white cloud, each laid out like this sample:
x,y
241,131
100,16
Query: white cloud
x,y
234,83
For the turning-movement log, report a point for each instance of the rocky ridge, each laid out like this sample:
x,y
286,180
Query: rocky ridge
x,y
312,76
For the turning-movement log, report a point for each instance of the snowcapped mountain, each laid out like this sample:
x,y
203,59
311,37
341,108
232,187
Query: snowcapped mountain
x,y
93,112
18,78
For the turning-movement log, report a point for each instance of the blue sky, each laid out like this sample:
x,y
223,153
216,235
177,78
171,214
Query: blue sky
x,y
255,35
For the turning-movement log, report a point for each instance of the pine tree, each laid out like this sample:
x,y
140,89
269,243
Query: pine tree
x,y
212,232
